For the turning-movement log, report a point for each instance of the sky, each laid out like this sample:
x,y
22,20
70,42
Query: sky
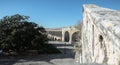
x,y
52,13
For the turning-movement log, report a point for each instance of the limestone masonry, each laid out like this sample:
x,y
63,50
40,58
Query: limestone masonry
x,y
100,35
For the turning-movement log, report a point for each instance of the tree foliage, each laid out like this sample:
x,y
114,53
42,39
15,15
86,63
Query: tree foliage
x,y
79,27
19,35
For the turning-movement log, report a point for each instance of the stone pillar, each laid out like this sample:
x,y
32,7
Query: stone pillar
x,y
63,33
70,37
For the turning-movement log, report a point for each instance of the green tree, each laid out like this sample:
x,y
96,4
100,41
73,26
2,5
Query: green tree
x,y
18,35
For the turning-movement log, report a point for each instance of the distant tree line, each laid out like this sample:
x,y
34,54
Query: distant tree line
x,y
18,35
79,27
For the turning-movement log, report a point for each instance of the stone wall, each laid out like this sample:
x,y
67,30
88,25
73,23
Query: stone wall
x,y
100,35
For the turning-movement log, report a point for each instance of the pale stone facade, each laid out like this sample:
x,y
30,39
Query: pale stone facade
x,y
100,35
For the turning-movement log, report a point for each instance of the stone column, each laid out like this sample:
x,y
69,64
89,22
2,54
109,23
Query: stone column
x,y
63,33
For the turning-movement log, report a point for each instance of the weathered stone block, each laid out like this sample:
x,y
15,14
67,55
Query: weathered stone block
x,y
100,35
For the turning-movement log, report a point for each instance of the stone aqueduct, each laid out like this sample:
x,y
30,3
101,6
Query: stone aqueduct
x,y
100,41
66,34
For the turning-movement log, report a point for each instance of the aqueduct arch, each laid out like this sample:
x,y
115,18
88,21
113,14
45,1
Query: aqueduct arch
x,y
72,31
75,36
66,34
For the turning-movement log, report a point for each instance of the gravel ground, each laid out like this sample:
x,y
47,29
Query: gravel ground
x,y
64,58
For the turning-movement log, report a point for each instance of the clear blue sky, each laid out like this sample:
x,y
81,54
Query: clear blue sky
x,y
52,13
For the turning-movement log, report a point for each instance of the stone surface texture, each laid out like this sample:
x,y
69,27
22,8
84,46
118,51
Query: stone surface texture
x,y
100,35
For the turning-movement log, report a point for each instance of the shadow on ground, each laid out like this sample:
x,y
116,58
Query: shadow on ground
x,y
67,53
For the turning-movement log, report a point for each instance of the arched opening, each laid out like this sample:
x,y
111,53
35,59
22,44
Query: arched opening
x,y
75,37
100,40
66,36
102,50
55,39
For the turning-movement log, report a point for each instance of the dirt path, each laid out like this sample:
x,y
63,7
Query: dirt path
x,y
65,58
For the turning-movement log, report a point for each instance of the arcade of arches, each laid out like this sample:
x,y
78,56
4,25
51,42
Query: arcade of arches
x,y
66,34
